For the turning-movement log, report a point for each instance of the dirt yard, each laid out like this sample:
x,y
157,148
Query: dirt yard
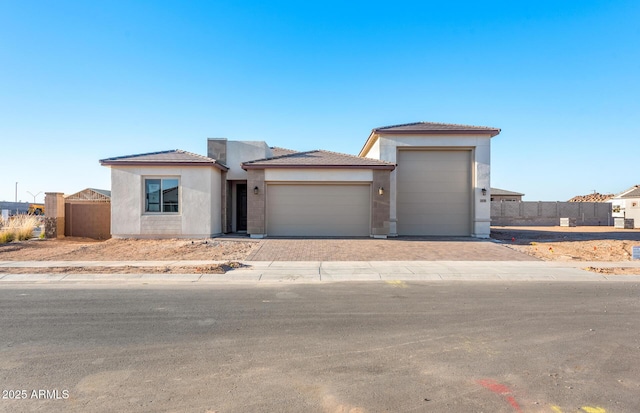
x,y
604,244
85,249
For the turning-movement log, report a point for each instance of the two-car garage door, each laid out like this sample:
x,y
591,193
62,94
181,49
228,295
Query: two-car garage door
x,y
318,209
434,192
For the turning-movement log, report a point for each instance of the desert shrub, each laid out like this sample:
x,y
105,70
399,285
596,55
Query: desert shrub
x,y
6,236
20,228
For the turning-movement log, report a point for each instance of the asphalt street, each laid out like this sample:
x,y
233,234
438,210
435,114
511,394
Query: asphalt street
x,y
353,347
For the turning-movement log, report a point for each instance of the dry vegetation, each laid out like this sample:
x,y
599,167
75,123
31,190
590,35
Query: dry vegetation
x,y
18,228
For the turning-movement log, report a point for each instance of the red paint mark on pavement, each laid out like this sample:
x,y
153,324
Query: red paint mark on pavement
x,y
502,390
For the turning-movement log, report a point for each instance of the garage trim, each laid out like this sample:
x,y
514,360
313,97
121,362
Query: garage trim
x,y
340,209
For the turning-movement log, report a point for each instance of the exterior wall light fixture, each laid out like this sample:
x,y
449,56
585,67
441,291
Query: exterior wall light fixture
x,y
381,191
256,190
484,191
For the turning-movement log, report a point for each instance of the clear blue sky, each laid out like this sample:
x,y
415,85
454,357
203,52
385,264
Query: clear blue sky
x,y
86,80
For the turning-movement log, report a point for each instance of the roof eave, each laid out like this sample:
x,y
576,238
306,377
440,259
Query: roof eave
x,y
389,167
491,132
373,136
106,162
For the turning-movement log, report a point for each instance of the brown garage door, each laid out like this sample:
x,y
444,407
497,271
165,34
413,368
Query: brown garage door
x,y
318,210
434,192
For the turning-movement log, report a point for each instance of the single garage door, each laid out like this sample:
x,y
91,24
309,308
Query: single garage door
x,y
318,210
434,192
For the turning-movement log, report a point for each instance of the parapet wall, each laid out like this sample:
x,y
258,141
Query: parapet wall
x,y
549,213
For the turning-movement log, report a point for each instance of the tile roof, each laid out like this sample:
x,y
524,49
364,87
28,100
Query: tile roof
x,y
433,127
633,192
498,191
426,128
277,151
171,157
318,159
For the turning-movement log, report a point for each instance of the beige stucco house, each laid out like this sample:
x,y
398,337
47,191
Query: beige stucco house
x,y
626,205
502,195
418,179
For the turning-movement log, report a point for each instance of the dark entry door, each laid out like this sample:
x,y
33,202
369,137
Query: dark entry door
x,y
241,207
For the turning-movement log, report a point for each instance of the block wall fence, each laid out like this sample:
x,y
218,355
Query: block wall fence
x,y
76,218
530,213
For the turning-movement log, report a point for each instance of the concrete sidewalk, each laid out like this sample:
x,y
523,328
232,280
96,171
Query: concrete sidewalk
x,y
325,271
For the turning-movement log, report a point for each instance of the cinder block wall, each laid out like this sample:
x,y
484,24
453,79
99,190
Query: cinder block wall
x,y
88,219
530,213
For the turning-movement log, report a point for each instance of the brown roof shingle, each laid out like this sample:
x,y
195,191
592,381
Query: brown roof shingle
x,y
164,158
277,151
434,127
318,159
503,192
633,192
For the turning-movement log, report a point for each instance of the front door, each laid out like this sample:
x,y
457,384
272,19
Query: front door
x,y
241,207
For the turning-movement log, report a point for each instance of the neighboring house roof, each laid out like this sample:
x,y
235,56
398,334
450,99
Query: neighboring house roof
x,y
101,191
633,192
173,157
90,194
427,128
277,151
504,192
594,197
318,159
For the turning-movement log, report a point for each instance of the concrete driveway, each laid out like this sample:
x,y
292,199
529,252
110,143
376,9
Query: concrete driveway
x,y
391,249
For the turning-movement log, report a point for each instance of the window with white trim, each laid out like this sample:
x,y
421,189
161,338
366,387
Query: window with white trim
x,y
161,195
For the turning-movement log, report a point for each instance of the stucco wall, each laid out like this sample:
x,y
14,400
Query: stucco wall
x,y
200,211
632,211
374,151
244,151
481,170
549,213
327,175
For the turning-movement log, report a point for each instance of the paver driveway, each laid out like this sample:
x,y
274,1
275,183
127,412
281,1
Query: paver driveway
x,y
392,249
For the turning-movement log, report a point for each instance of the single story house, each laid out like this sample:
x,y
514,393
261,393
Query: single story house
x,y
627,205
417,179
502,195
